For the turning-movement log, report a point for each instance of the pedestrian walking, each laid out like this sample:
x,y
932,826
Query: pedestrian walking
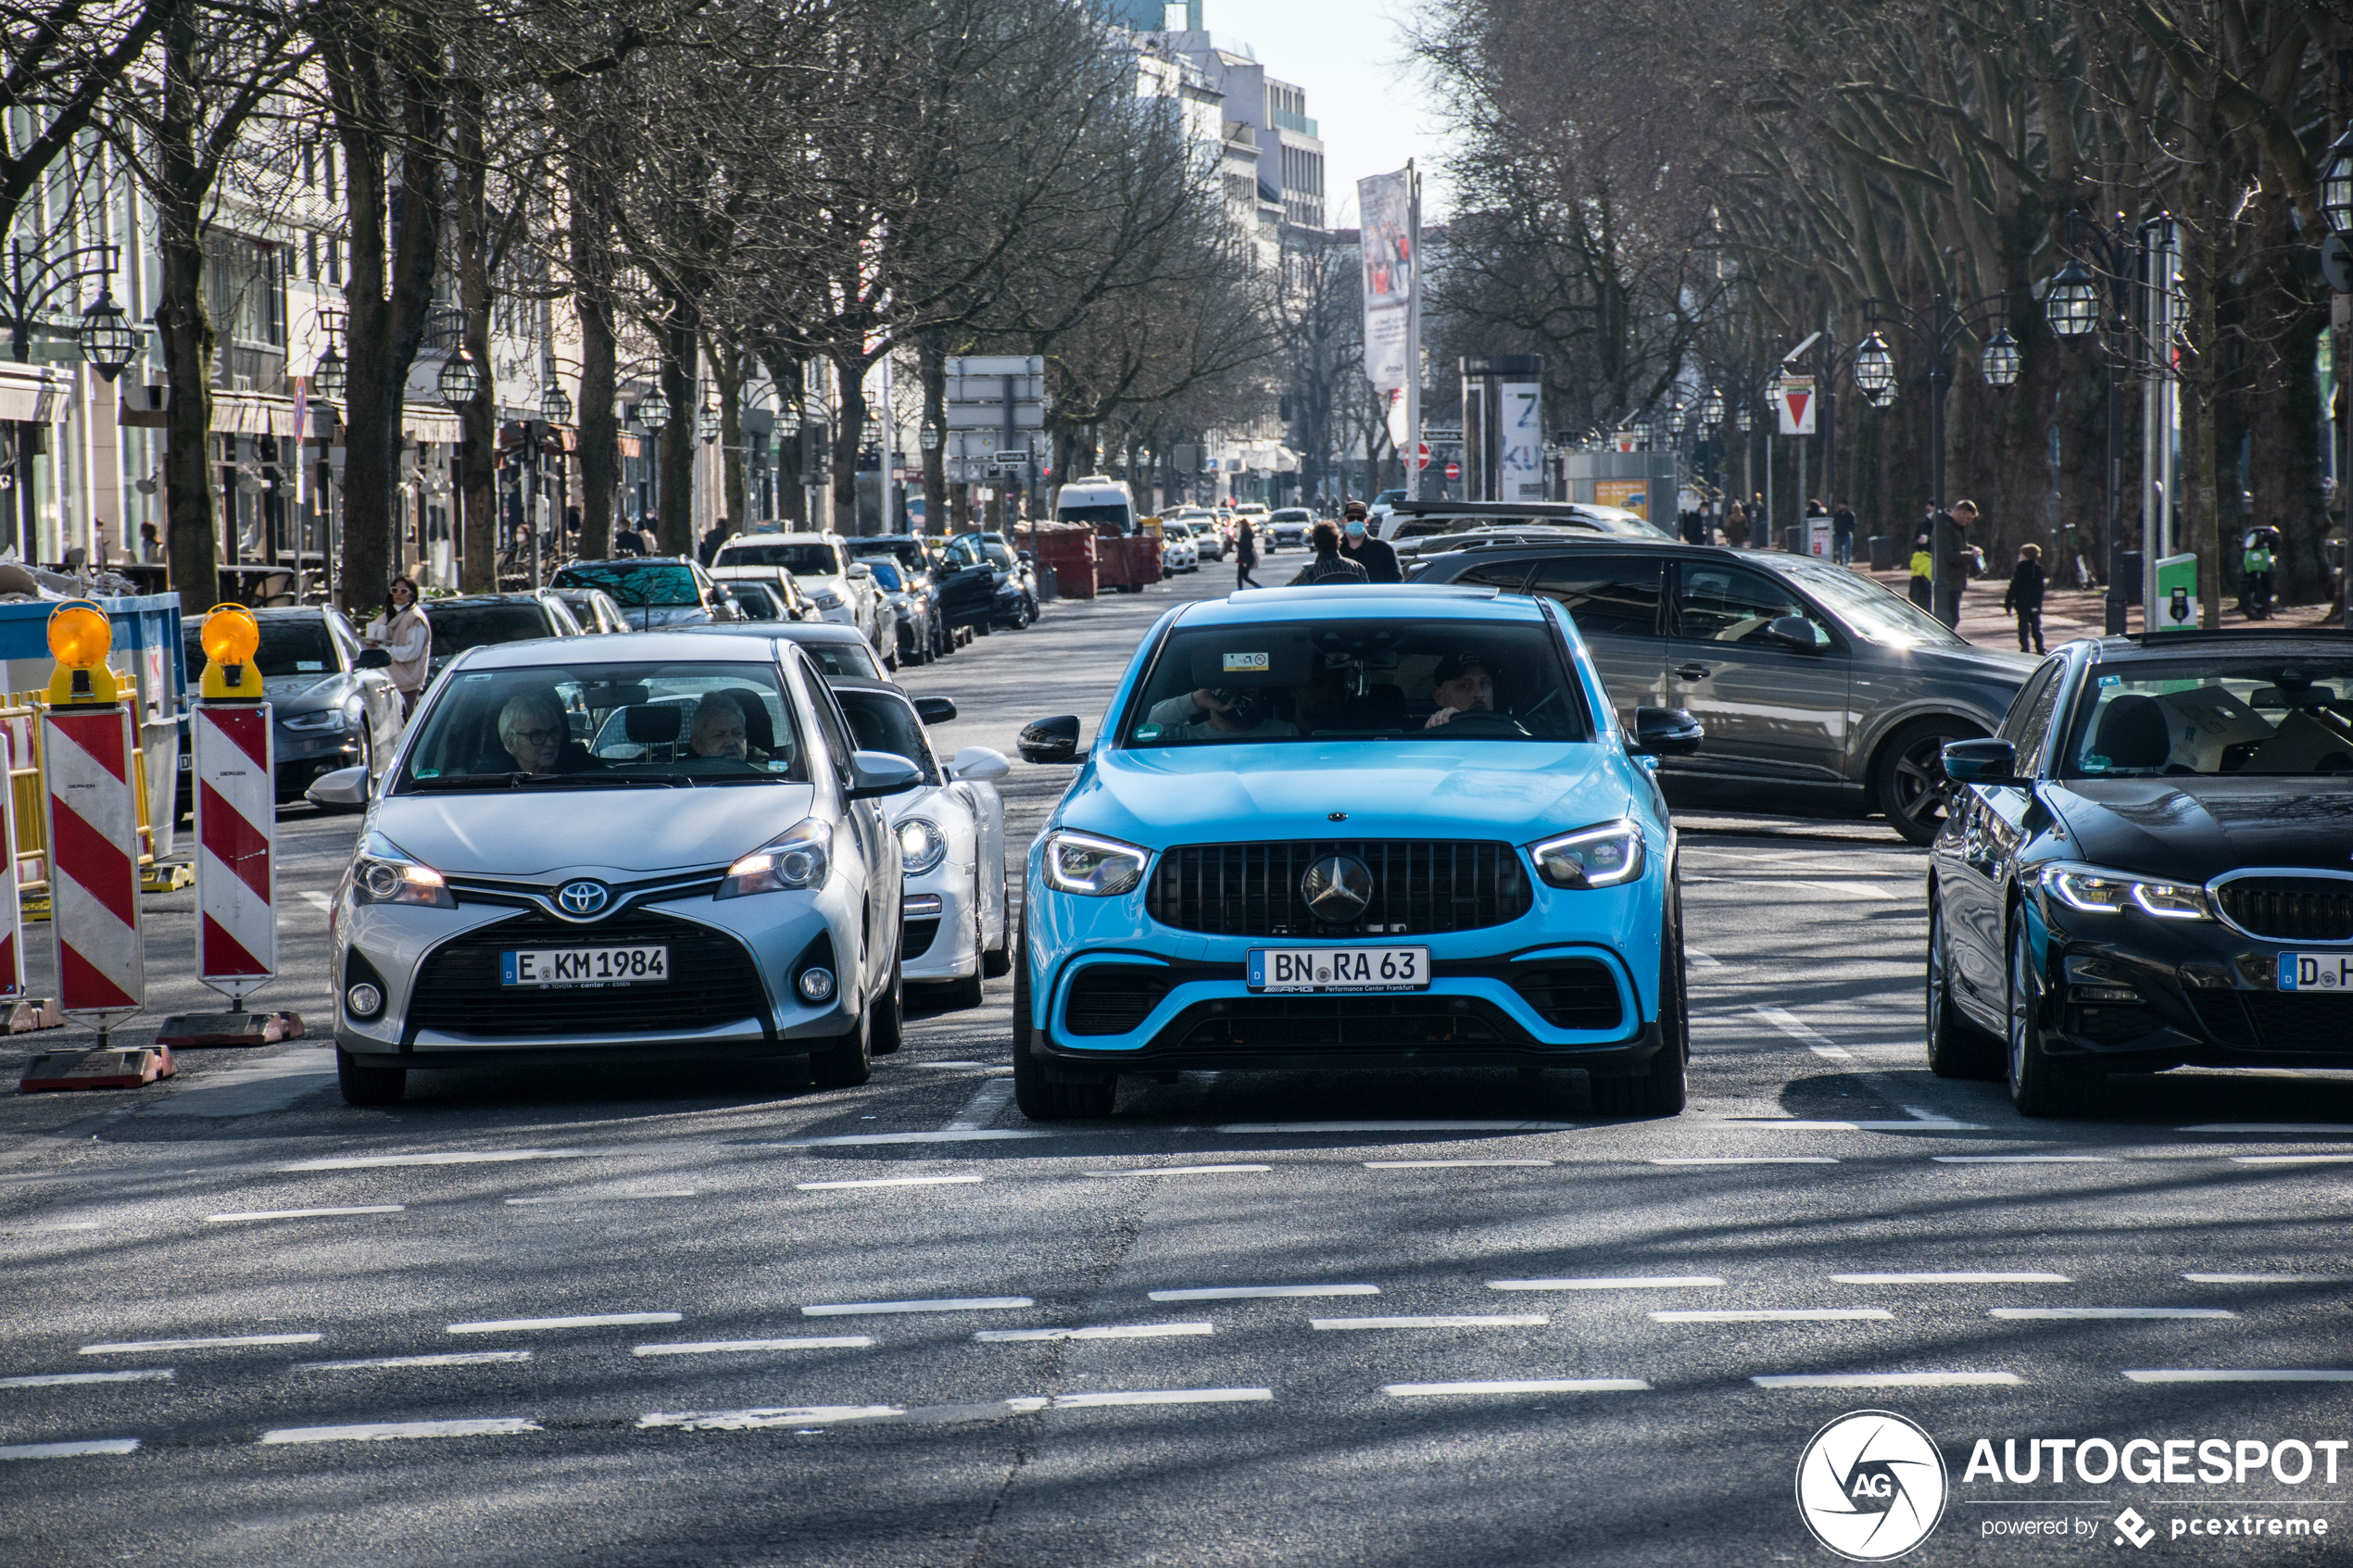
x,y
1245,557
1842,534
1329,565
2255,575
1736,525
2023,598
1923,585
720,534
1695,525
1957,557
1358,545
403,631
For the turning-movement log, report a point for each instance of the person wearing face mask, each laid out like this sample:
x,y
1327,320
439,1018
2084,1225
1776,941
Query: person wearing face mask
x,y
1358,545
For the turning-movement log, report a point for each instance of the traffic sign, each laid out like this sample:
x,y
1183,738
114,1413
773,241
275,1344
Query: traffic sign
x,y
1421,456
1454,470
1798,404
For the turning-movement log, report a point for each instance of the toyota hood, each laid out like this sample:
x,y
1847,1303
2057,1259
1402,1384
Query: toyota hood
x,y
533,832
1514,791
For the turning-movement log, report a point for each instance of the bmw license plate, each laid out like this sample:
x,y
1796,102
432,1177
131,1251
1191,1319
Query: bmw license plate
x,y
584,966
2316,971
1340,969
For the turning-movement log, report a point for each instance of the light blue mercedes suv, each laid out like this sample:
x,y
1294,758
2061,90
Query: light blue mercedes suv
x,y
1355,827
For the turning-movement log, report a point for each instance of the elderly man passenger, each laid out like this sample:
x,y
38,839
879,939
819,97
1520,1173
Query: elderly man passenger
x,y
718,730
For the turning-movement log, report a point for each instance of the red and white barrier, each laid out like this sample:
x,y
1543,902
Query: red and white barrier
x,y
237,822
93,816
13,985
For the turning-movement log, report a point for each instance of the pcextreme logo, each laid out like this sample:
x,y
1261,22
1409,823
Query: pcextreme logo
x,y
1871,1485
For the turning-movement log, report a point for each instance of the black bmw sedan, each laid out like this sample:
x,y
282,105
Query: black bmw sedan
x,y
2149,866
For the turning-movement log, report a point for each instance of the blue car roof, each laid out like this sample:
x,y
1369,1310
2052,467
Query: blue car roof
x,y
1326,600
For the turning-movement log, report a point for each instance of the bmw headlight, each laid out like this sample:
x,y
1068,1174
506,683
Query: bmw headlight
x,y
1092,866
2096,891
1596,856
921,845
382,872
798,857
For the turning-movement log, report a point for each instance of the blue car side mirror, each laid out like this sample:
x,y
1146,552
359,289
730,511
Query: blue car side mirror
x,y
1052,740
1981,762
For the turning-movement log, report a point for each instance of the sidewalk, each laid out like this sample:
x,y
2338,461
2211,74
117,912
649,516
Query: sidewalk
x,y
2075,612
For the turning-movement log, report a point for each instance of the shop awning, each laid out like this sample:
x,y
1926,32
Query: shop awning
x,y
423,422
29,392
252,413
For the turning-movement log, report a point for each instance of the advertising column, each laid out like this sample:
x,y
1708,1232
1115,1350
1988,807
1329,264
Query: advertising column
x,y
1390,206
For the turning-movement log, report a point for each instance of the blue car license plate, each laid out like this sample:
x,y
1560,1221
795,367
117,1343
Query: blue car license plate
x,y
1338,968
2316,971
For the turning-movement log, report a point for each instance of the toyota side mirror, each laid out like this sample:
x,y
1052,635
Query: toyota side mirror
x,y
1981,762
979,764
874,773
1795,631
375,658
342,789
935,710
1052,740
1664,731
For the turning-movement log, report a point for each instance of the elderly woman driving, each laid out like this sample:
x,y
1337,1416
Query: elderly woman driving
x,y
532,729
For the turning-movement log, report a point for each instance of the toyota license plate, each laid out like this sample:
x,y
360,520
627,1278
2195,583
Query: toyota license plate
x,y
584,966
2316,971
1338,968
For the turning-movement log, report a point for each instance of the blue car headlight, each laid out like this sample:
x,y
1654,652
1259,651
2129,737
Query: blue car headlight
x,y
798,857
1091,866
1596,856
382,872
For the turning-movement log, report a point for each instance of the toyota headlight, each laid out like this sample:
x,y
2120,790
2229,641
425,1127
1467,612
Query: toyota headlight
x,y
1092,866
798,857
921,845
382,872
2096,891
1596,856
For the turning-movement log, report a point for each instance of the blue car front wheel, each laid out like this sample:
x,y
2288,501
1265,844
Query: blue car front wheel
x,y
1661,1088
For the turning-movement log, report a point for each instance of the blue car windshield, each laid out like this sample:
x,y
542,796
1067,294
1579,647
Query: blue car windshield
x,y
1358,679
590,724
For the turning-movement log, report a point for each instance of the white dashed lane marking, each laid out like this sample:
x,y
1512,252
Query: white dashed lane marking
x,y
1445,1164
1618,1282
594,1319
386,1431
1778,1314
1886,1380
888,1182
2099,1314
1445,1320
70,1450
453,1157
304,1214
1117,1331
1987,1276
717,1347
1518,1385
2218,1375
461,1357
1262,1292
60,1379
224,1342
944,1304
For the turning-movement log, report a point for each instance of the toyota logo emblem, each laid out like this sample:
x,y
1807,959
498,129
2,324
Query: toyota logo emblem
x,y
1337,888
583,899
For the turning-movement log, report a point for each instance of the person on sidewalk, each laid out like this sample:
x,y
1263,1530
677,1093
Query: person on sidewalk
x,y
1245,557
403,631
1358,545
1842,534
2255,575
1736,525
2023,598
1922,589
1329,565
1957,558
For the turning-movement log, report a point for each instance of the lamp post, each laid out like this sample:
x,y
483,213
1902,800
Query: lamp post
x,y
2072,306
2336,211
1937,329
31,284
653,412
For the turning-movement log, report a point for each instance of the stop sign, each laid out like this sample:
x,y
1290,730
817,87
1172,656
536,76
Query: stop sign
x,y
1454,470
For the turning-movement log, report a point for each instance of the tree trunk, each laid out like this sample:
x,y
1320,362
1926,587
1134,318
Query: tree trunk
x,y
727,371
477,495
599,426
682,340
931,359
193,539
849,434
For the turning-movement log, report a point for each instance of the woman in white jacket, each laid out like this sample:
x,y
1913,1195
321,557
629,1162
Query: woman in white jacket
x,y
403,631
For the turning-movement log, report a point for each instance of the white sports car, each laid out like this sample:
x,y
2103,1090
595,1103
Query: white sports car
x,y
1177,551
951,842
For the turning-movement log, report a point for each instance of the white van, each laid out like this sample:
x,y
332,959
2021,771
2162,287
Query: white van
x,y
1098,502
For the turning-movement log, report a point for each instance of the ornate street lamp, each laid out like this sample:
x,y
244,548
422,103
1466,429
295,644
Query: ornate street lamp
x,y
107,341
1640,431
1883,399
555,403
2000,359
653,410
707,424
1711,407
1874,366
330,379
1676,421
2073,303
460,381
2337,185
1744,419
930,438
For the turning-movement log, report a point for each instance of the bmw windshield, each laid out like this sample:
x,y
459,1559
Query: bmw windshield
x,y
591,725
2280,718
1357,679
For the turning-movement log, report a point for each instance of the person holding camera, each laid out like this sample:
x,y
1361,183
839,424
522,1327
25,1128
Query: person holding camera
x,y
1217,713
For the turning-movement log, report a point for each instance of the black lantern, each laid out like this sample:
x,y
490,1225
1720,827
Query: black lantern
x,y
460,381
2001,359
929,437
1640,433
555,403
1874,365
2073,302
330,379
1744,419
706,425
1711,407
2337,185
1676,421
653,410
107,341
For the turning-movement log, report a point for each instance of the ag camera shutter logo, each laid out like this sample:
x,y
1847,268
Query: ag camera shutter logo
x,y
1871,1485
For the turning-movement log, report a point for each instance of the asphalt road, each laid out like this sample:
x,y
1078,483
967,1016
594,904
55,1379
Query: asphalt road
x,y
644,1317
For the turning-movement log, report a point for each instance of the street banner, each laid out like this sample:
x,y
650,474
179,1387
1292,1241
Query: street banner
x,y
94,861
236,820
1796,401
1385,204
1520,440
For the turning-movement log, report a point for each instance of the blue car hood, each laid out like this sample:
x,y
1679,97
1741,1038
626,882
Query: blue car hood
x,y
529,832
1514,791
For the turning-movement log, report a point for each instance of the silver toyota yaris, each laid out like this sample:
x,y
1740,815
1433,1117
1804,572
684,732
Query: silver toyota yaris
x,y
642,847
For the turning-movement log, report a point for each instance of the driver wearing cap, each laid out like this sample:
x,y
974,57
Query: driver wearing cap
x,y
1464,684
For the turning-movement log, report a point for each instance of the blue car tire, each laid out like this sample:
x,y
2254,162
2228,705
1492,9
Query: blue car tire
x,y
1664,1083
1039,1099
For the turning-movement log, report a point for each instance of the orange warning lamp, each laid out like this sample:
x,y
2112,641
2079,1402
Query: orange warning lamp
x,y
230,636
80,638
